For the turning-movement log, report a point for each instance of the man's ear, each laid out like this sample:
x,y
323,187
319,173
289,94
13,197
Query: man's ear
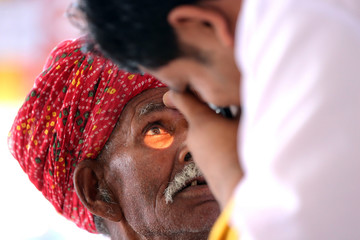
x,y
199,18
90,188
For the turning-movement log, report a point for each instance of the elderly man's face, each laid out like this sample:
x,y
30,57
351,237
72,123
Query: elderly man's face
x,y
147,151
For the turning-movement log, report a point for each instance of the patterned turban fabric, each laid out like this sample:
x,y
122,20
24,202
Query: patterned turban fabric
x,y
67,117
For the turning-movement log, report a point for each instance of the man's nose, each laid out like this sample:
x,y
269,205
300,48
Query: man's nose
x,y
188,157
185,156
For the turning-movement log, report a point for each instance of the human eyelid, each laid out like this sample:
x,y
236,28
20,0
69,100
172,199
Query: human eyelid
x,y
151,125
161,131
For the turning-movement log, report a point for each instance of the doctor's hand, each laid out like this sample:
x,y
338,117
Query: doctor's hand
x,y
212,140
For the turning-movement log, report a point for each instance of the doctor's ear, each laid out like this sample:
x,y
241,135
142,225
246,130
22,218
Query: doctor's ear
x,y
94,193
194,20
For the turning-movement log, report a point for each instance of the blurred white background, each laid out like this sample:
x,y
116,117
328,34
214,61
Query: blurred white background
x,y
29,29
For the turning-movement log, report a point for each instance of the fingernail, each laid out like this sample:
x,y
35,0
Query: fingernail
x,y
167,99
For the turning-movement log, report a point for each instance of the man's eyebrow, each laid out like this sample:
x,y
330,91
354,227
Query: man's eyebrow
x,y
151,107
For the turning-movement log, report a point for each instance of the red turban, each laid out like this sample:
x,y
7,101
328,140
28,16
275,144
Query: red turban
x,y
68,117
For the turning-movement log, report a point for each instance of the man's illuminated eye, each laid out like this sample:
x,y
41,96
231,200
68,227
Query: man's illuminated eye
x,y
158,138
155,131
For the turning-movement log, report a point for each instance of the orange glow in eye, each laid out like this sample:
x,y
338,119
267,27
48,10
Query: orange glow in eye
x,y
158,138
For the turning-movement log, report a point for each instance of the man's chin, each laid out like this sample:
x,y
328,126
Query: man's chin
x,y
201,215
191,211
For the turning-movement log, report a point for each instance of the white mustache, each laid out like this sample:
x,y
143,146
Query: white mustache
x,y
189,172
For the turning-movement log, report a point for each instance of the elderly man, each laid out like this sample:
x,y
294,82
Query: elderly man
x,y
105,151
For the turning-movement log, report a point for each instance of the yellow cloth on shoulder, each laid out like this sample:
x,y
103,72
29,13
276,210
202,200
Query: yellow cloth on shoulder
x,y
222,229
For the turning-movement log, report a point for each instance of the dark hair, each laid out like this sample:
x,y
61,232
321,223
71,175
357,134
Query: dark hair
x,y
100,226
99,221
133,32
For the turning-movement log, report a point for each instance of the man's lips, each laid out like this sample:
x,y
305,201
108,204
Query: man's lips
x,y
195,188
